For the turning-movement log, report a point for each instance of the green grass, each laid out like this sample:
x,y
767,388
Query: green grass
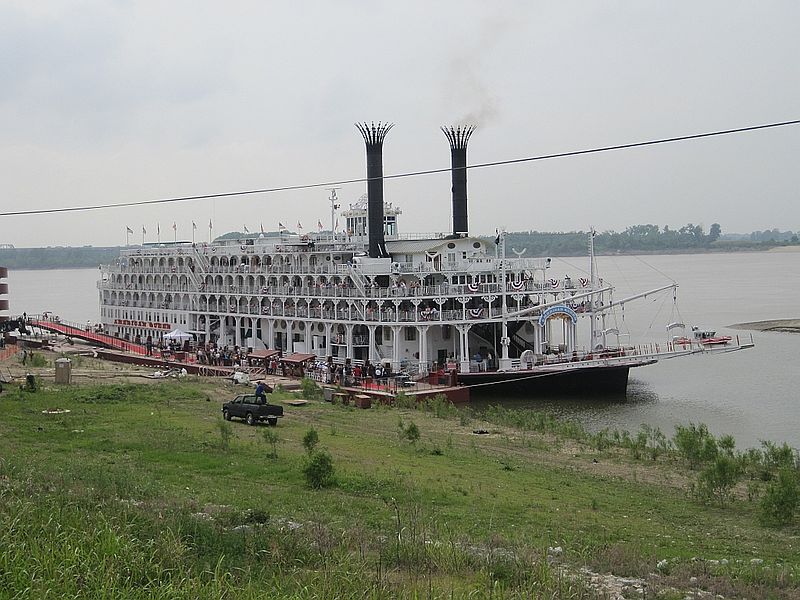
x,y
132,495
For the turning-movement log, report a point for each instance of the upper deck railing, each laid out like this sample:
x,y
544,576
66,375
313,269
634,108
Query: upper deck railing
x,y
342,291
467,266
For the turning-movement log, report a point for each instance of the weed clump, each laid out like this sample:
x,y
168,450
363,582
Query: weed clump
x,y
310,440
695,444
716,481
402,400
408,432
310,389
781,499
271,437
319,470
225,434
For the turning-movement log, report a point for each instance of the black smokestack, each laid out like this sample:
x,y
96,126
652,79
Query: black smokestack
x,y
458,138
374,135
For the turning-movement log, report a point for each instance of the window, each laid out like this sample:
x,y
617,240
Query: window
x,y
411,334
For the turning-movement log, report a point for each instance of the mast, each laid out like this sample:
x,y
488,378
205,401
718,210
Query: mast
x,y
505,362
593,329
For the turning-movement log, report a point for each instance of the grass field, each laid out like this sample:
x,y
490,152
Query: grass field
x,y
136,493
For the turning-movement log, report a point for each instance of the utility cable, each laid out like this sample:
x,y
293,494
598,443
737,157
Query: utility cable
x,y
341,182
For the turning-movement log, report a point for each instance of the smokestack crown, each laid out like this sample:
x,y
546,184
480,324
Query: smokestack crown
x,y
374,133
458,136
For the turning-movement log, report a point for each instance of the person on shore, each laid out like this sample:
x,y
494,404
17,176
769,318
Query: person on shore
x,y
149,345
261,393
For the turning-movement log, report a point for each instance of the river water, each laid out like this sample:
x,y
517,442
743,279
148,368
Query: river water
x,y
752,394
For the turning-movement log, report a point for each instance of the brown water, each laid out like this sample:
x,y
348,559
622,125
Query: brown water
x,y
753,394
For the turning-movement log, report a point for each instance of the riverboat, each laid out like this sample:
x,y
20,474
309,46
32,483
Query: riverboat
x,y
419,304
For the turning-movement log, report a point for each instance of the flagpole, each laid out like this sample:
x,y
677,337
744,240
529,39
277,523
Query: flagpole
x,y
143,232
127,236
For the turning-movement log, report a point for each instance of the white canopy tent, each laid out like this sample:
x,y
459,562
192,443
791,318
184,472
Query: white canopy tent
x,y
178,335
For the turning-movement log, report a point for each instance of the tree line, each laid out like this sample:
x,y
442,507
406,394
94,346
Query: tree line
x,y
637,238
57,257
640,238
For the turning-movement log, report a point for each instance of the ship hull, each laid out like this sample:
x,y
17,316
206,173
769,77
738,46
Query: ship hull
x,y
602,380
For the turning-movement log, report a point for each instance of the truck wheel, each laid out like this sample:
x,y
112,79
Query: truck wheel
x,y
226,415
250,420
272,422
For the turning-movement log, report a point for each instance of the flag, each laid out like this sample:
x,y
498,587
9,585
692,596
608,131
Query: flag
x,y
158,228
209,224
144,231
319,225
246,230
497,239
129,229
262,228
299,226
194,226
174,226
337,224
280,226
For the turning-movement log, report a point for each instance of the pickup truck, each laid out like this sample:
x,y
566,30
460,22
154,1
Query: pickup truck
x,y
252,409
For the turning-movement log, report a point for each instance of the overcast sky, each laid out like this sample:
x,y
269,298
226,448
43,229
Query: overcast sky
x,y
112,101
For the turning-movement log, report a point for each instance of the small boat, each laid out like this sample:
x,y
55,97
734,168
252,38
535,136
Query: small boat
x,y
706,337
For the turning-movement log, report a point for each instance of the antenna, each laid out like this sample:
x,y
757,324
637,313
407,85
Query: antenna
x,y
334,200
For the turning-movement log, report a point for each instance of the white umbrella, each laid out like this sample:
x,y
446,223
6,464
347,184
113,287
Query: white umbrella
x,y
178,335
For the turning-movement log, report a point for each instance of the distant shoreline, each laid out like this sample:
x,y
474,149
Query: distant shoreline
x,y
53,268
32,259
779,325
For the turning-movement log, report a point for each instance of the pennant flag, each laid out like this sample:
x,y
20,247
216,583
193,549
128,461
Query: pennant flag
x,y
209,224
246,230
280,226
299,226
158,228
144,231
129,229
262,228
194,226
319,225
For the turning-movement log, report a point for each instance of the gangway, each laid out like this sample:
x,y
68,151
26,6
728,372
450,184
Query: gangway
x,y
76,331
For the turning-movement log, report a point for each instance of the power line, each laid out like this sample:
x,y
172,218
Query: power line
x,y
327,184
